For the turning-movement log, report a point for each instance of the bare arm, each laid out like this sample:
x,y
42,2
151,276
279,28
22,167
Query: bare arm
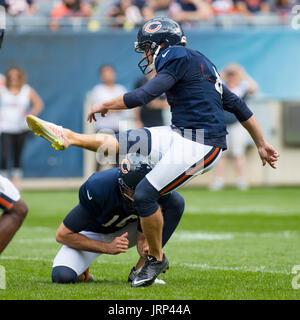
x,y
104,107
36,102
81,242
266,152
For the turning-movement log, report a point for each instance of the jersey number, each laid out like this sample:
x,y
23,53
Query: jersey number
x,y
122,223
218,84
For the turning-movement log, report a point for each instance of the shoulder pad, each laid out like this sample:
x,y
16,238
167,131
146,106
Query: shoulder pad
x,y
169,54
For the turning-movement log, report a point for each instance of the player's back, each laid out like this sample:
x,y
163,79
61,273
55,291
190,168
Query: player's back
x,y
196,97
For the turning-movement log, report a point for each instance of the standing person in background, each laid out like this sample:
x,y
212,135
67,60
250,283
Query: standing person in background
x,y
107,89
240,83
151,114
15,98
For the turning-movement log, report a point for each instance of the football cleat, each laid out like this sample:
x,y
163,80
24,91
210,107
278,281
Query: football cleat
x,y
49,131
86,276
134,272
151,269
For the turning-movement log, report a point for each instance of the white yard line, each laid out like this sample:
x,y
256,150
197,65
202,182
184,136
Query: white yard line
x,y
45,240
261,269
192,236
24,258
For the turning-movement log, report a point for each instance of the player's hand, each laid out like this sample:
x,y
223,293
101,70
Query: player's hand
x,y
97,108
119,244
268,155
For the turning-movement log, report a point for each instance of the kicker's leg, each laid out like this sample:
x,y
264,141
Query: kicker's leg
x,y
92,142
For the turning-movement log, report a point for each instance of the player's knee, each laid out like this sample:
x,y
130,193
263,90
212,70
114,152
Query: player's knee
x,y
62,274
145,198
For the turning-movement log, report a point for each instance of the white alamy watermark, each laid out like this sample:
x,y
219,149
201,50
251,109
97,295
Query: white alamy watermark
x,y
296,278
2,278
295,22
164,145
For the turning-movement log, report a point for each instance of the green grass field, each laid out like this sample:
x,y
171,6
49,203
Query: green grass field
x,y
229,245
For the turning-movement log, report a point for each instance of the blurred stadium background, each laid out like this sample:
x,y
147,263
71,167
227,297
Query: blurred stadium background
x,y
61,52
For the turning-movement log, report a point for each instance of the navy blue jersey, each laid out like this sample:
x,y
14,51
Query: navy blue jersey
x,y
195,98
102,208
194,91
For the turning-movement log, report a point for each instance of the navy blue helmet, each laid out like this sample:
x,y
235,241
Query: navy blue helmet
x,y
152,34
132,170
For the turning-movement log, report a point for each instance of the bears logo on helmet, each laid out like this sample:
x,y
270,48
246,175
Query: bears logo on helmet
x,y
125,166
153,26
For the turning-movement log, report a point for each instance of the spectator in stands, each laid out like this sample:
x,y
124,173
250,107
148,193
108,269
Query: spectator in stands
x,y
223,7
159,4
129,13
107,89
251,7
283,7
150,115
69,8
190,10
239,82
145,8
15,98
18,7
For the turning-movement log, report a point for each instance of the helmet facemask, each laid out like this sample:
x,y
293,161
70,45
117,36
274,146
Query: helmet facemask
x,y
127,192
151,50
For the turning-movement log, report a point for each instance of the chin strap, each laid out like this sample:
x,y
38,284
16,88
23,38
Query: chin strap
x,y
152,65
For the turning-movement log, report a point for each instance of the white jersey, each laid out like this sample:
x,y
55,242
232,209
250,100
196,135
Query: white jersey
x,y
13,109
9,194
101,93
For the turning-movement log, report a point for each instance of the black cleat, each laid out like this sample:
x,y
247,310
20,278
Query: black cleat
x,y
151,269
133,273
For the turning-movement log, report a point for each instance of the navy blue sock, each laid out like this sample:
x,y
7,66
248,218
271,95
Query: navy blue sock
x,y
172,212
145,198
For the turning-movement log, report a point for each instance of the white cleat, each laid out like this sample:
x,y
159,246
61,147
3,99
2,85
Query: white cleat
x,y
49,131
